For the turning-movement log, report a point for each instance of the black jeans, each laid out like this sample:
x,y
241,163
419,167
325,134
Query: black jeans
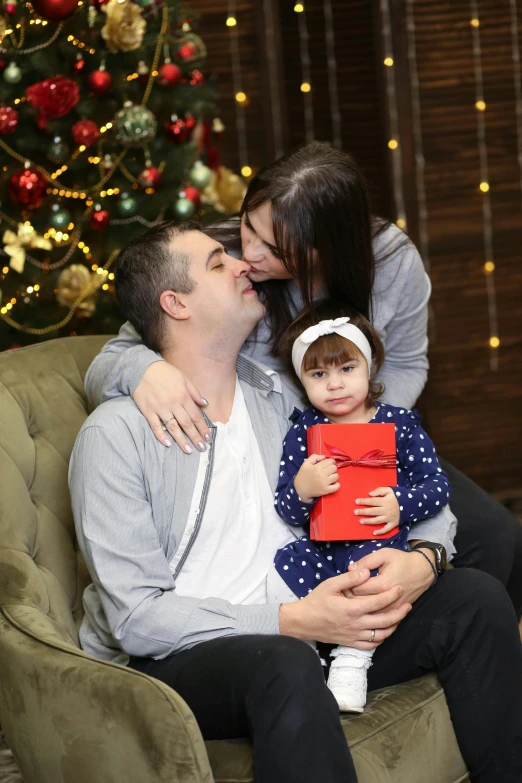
x,y
488,536
272,688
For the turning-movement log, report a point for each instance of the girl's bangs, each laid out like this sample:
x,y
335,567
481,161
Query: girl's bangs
x,y
332,349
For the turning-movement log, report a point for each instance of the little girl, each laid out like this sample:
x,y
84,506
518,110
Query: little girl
x,y
334,360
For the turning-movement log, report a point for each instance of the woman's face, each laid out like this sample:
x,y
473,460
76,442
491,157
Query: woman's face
x,y
257,239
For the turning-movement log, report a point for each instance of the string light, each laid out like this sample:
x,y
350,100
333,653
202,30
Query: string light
x,y
306,76
231,21
518,85
393,114
274,76
487,218
331,63
299,8
240,95
480,106
246,171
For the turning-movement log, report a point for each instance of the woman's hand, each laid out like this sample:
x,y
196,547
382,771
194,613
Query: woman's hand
x,y
327,615
316,477
395,567
166,397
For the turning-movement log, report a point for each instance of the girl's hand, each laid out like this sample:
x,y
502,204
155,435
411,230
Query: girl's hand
x,y
166,397
317,476
383,509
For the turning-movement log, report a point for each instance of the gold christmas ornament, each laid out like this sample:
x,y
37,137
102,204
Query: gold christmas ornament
x,y
225,192
15,244
124,29
72,282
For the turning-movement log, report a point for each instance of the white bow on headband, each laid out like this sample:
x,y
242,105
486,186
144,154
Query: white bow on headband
x,y
338,326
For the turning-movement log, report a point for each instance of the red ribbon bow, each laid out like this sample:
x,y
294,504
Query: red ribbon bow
x,y
372,459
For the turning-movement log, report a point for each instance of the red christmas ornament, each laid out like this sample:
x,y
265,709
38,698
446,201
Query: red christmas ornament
x,y
169,75
186,51
27,186
3,64
99,81
54,97
99,219
85,132
150,177
193,194
8,120
55,10
196,77
179,130
10,7
79,65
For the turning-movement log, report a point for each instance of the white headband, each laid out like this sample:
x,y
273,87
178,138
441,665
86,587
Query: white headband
x,y
338,326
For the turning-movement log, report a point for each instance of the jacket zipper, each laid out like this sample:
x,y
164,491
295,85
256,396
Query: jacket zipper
x,y
202,503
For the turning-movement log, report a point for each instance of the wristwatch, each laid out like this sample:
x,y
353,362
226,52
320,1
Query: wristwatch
x,y
440,554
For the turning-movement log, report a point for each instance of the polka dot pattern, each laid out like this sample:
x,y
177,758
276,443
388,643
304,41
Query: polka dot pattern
x,y
423,490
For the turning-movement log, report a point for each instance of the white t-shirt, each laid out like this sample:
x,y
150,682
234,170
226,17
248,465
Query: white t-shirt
x,y
240,531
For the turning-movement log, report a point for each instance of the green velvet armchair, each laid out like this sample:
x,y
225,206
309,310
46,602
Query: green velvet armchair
x,y
70,718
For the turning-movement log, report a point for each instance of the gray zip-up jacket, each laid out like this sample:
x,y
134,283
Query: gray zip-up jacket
x,y
131,499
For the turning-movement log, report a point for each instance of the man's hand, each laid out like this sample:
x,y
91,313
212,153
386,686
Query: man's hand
x,y
382,509
395,567
316,477
165,396
327,615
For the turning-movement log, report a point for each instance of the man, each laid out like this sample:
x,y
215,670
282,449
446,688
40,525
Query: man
x,y
179,547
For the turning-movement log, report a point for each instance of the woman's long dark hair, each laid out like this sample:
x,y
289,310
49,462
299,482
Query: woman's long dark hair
x,y
320,206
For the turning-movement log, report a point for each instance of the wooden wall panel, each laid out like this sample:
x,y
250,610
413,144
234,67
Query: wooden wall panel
x,y
473,414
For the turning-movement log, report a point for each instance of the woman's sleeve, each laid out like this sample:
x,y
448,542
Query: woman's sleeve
x,y
405,367
119,367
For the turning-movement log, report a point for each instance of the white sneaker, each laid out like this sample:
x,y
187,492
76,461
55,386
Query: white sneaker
x,y
348,682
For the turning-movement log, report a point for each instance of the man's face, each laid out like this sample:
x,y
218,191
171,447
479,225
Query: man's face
x,y
223,301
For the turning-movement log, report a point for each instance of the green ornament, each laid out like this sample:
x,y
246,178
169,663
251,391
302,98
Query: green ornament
x,y
183,208
60,218
58,151
136,125
12,74
189,51
127,206
200,175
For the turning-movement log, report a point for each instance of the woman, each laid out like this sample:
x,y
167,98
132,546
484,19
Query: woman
x,y
307,231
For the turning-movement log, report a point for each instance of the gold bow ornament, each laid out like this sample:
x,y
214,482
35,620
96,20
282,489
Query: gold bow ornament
x,y
15,245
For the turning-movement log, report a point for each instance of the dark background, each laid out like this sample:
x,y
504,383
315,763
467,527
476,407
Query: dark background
x,y
473,413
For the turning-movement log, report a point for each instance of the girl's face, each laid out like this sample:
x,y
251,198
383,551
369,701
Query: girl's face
x,y
257,240
338,390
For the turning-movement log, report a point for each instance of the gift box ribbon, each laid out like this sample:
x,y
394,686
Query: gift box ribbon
x,y
372,459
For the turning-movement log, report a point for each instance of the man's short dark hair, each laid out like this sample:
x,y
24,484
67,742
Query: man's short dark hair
x,y
146,267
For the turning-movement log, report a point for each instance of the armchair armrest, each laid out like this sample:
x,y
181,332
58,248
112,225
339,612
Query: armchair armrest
x,y
71,717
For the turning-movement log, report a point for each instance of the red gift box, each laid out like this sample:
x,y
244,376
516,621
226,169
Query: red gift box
x,y
366,459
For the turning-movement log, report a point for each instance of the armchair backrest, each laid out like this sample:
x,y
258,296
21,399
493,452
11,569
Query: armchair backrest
x,y
42,407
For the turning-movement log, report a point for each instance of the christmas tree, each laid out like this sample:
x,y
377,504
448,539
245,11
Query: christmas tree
x,y
107,126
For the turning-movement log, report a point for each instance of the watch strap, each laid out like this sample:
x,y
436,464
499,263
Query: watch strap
x,y
425,556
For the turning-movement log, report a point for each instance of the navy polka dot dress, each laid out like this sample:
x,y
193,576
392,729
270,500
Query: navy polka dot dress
x,y
423,490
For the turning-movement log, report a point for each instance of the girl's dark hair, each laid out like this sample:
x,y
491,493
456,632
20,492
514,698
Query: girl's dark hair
x,y
332,348
320,208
